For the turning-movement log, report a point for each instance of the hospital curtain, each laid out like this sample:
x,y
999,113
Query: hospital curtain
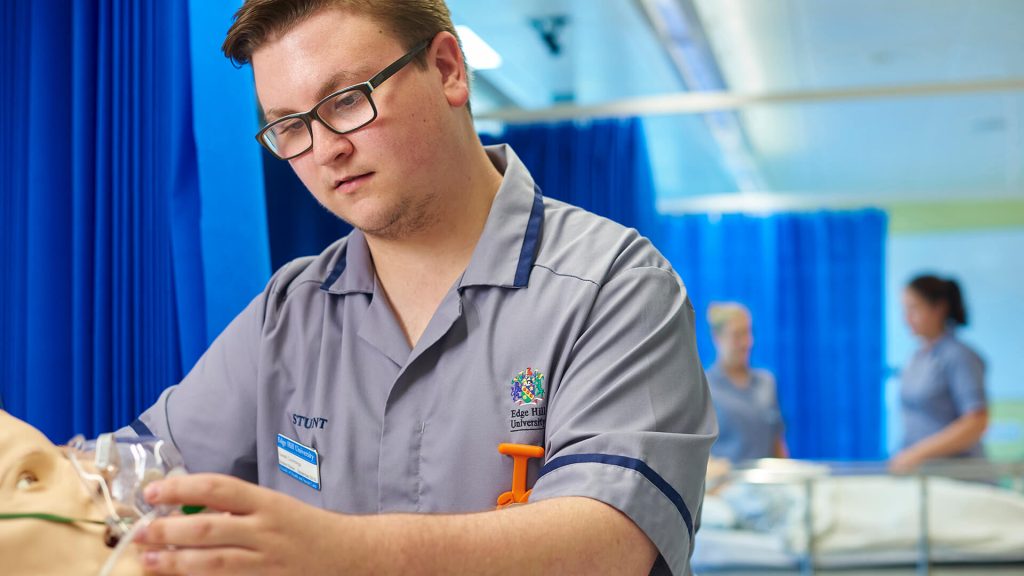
x,y
599,165
106,246
297,224
814,283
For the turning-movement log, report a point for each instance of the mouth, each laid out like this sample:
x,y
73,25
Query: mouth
x,y
350,184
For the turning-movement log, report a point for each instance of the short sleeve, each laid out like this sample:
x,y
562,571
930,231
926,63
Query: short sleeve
x,y
966,373
631,422
210,416
771,389
772,399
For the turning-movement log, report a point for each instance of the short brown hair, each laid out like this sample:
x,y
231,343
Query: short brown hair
x,y
258,21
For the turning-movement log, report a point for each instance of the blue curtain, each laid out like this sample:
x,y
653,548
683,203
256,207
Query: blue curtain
x,y
297,224
814,284
599,165
105,301
233,227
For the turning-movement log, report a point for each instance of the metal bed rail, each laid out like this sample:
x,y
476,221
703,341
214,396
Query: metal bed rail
x,y
807,473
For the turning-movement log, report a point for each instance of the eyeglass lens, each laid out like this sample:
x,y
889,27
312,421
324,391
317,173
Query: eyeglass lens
x,y
344,112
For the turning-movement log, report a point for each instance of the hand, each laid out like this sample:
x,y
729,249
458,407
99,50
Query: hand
x,y
717,475
257,531
905,462
718,468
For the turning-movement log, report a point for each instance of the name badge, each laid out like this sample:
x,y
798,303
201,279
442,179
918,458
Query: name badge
x,y
298,461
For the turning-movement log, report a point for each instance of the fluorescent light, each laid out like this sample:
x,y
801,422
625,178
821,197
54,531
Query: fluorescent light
x,y
479,54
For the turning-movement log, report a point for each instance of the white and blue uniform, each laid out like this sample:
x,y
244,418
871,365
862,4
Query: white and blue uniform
x,y
749,419
566,331
942,382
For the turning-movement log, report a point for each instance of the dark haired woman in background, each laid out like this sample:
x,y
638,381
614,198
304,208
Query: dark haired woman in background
x,y
945,412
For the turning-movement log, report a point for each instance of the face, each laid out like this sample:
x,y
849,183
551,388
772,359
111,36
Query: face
x,y
383,178
36,477
924,318
735,340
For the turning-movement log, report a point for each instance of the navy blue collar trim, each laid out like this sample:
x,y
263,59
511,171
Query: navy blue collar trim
x,y
632,464
140,428
527,253
338,269
530,240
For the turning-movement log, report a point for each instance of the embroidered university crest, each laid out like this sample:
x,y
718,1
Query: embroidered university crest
x,y
528,387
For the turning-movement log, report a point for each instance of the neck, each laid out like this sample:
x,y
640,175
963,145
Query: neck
x,y
737,372
933,337
418,268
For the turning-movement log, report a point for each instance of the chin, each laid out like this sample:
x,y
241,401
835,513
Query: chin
x,y
382,220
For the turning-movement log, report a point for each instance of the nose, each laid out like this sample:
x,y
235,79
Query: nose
x,y
329,146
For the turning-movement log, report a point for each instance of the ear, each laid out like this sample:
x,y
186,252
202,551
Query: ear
x,y
447,57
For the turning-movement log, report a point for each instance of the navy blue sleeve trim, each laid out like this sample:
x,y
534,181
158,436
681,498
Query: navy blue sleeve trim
x,y
529,250
338,269
632,464
140,428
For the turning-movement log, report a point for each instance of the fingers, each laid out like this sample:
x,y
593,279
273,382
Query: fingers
x,y
200,531
197,561
209,543
215,491
900,466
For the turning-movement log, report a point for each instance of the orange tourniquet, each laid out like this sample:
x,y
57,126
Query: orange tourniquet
x,y
520,454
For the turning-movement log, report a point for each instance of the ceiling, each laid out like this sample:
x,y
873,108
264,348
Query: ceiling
x,y
855,102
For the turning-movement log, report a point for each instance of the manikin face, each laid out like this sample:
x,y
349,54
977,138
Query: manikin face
x,y
384,177
735,340
35,477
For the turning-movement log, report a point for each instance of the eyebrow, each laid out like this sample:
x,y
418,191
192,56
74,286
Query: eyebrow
x,y
336,82
18,460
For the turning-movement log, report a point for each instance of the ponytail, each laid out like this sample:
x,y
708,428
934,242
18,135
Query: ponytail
x,y
957,312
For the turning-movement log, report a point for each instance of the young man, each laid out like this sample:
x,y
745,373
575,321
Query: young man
x,y
367,389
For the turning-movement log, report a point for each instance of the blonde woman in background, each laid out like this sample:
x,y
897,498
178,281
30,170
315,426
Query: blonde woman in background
x,y
749,420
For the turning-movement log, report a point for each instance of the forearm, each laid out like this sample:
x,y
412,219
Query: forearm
x,y
559,536
958,436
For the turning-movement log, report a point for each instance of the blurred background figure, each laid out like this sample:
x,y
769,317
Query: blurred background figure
x,y
749,420
942,391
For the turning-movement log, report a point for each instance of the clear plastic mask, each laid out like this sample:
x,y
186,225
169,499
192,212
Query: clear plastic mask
x,y
116,472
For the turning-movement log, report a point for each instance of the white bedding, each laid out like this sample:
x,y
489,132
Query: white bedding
x,y
858,521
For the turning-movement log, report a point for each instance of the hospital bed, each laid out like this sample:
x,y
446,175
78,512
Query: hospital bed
x,y
798,517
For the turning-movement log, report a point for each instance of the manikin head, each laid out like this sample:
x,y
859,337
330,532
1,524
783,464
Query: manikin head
x,y
36,477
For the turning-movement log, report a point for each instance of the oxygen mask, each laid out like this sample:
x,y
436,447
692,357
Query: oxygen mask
x,y
116,472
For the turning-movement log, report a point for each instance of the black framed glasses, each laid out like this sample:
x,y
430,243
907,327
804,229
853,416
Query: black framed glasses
x,y
344,111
